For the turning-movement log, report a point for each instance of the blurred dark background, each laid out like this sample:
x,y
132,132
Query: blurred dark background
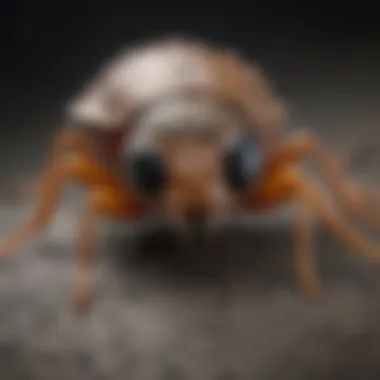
x,y
50,49
55,44
324,57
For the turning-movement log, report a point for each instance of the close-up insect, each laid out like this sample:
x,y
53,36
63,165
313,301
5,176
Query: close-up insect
x,y
187,128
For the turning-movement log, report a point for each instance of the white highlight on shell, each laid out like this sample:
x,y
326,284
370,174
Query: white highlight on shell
x,y
136,77
184,117
150,72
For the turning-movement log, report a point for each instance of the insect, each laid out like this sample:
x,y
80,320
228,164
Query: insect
x,y
183,127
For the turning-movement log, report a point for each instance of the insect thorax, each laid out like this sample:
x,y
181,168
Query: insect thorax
x,y
179,118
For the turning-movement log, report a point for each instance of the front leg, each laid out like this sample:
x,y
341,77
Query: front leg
x,y
275,188
354,199
106,196
306,265
290,184
85,252
52,182
108,201
102,201
304,189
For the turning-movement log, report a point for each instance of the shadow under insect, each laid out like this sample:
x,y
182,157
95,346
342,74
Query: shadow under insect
x,y
243,256
239,255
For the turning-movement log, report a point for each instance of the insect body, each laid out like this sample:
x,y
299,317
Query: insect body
x,y
185,128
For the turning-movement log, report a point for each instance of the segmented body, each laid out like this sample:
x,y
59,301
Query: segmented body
x,y
145,74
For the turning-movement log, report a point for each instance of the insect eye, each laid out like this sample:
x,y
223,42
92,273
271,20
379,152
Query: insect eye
x,y
242,164
145,170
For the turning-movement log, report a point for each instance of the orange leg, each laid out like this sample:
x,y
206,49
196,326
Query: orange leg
x,y
105,201
311,199
280,186
85,250
281,181
73,156
308,192
51,186
305,251
355,200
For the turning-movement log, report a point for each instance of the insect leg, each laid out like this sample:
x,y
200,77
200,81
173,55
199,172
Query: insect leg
x,y
102,201
85,254
305,251
354,199
308,192
51,185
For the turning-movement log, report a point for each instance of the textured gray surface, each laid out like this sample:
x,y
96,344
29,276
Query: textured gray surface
x,y
236,314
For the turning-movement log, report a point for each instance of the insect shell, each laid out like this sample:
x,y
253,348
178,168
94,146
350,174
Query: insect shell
x,y
188,128
191,122
174,125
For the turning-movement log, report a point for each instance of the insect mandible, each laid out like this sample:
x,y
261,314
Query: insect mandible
x,y
184,127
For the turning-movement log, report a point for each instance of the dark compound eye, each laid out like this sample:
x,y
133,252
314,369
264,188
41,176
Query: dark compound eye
x,y
145,169
242,164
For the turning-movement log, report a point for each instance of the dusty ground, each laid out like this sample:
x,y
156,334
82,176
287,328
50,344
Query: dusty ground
x,y
225,315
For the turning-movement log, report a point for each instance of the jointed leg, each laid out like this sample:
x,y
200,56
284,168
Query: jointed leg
x,y
288,183
51,186
309,193
305,253
106,196
101,201
355,200
85,251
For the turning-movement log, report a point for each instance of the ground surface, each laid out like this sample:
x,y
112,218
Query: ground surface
x,y
225,315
